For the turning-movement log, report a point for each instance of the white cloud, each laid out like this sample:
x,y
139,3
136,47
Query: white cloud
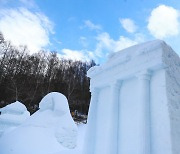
x,y
163,22
23,27
128,25
82,55
123,43
104,46
106,43
91,25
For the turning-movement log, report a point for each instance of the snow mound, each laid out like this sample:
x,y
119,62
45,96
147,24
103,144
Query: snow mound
x,y
14,108
12,116
49,130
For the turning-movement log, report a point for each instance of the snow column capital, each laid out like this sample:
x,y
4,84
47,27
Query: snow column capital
x,y
116,84
144,75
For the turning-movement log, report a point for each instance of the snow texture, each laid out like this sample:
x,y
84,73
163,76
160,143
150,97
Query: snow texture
x,y
49,130
12,116
135,103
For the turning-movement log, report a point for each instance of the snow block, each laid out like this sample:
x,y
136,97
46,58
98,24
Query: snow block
x,y
12,116
135,103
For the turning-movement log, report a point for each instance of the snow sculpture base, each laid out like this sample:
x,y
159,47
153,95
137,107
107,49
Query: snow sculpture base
x,y
135,105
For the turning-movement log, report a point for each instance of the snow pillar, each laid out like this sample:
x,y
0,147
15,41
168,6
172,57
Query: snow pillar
x,y
92,121
144,105
115,89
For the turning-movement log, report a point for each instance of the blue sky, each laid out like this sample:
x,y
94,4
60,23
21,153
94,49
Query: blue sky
x,y
89,29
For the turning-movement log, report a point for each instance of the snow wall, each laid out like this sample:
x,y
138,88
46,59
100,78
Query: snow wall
x,y
135,103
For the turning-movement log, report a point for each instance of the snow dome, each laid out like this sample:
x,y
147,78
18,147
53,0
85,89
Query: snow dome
x,y
135,105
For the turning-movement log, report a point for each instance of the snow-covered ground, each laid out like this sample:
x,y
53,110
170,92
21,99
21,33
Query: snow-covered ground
x,y
35,140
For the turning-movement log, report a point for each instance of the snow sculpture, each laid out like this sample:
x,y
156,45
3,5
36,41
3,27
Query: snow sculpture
x,y
49,130
65,128
12,116
135,104
54,114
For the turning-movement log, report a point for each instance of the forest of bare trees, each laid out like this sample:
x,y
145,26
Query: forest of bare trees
x,y
28,78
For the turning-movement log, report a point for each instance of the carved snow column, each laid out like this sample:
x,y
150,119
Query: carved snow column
x,y
94,99
144,95
92,120
115,90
